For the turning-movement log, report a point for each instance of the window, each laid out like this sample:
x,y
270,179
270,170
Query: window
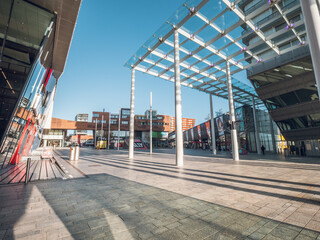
x,y
95,115
143,123
124,122
113,122
159,118
125,112
114,116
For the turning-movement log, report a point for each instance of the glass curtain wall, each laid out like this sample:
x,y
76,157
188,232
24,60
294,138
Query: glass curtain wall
x,y
265,131
26,86
245,129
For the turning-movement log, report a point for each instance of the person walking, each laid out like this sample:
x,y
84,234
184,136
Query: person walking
x,y
262,149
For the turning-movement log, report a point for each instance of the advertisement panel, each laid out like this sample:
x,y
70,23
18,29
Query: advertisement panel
x,y
220,124
189,135
162,135
199,132
192,135
195,134
208,129
204,134
239,119
138,144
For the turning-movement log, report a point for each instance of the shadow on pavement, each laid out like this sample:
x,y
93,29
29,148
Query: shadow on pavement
x,y
107,206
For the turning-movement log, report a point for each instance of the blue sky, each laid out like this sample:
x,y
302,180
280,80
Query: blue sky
x,y
107,34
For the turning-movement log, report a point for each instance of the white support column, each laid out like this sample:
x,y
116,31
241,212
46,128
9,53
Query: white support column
x,y
213,134
274,146
310,10
109,132
178,107
233,130
256,126
131,130
150,122
102,128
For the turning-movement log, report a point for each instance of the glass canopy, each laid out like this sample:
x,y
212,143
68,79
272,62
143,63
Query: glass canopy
x,y
212,32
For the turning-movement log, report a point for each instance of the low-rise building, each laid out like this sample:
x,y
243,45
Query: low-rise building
x,y
81,117
102,122
269,135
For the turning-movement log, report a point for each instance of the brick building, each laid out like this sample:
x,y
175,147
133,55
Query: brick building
x,y
161,126
187,123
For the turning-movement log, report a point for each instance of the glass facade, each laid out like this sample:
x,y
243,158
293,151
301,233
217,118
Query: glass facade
x,y
304,94
27,84
286,83
201,135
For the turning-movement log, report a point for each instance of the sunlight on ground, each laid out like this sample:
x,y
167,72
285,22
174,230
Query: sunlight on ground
x,y
118,228
44,218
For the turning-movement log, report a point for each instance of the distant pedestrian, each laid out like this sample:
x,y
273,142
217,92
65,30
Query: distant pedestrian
x,y
262,149
301,150
292,149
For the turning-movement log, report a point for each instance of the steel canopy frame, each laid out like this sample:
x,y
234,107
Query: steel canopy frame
x,y
201,42
206,72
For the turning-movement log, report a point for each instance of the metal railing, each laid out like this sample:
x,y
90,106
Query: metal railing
x,y
272,16
254,7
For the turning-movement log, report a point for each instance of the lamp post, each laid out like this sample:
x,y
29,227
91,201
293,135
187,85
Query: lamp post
x,y
119,129
102,128
109,133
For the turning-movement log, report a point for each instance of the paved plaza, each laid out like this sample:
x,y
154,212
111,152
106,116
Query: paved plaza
x,y
151,198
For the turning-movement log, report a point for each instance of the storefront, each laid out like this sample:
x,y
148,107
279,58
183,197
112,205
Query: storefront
x,y
200,135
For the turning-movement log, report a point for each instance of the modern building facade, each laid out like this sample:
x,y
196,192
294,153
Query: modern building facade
x,y
53,137
160,125
35,39
285,83
81,117
187,123
200,135
119,126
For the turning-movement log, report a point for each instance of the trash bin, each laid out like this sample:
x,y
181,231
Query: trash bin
x,y
76,153
71,153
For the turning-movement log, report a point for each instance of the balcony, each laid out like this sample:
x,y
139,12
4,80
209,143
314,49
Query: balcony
x,y
270,20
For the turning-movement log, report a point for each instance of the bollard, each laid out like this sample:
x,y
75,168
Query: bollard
x,y
71,154
76,153
28,169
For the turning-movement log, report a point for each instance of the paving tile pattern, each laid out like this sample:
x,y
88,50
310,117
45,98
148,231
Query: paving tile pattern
x,y
107,207
150,198
287,191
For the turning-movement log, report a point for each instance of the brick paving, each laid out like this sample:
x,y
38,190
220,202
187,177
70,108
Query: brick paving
x,y
150,198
